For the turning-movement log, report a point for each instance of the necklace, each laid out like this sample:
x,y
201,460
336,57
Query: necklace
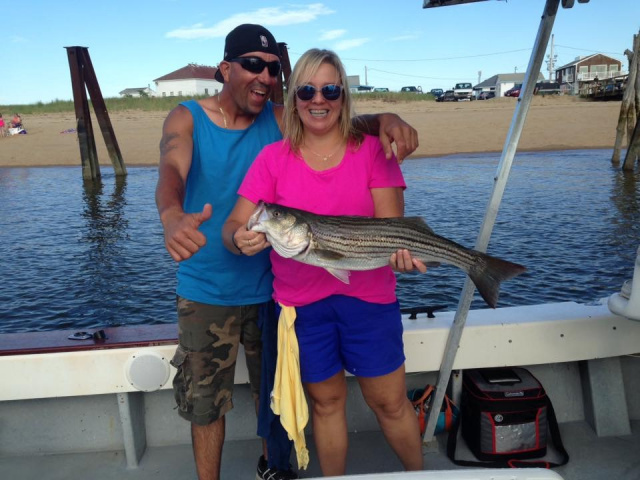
x,y
224,118
324,157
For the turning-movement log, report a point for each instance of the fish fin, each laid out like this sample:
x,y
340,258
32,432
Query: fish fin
x,y
488,272
418,222
327,254
342,275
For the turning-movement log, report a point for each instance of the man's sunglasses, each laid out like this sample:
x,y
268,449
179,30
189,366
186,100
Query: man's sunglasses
x,y
256,65
329,92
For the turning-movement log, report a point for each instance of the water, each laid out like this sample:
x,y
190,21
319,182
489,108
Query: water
x,y
570,217
77,255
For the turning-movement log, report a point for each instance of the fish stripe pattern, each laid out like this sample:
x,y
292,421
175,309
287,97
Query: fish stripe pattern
x,y
339,243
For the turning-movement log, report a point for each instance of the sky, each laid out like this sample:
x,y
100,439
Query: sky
x,y
387,43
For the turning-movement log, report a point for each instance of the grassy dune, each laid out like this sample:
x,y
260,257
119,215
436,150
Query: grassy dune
x,y
164,104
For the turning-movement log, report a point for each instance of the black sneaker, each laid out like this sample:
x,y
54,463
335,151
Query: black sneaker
x,y
266,473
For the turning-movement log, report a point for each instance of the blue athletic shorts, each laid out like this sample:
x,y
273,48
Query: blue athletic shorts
x,y
341,332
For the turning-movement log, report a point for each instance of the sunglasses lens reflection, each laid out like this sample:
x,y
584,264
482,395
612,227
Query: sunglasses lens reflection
x,y
256,65
329,92
306,92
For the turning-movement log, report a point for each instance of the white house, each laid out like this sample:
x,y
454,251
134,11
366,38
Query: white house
x,y
501,82
188,81
137,92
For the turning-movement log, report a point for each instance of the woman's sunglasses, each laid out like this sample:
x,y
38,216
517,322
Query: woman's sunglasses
x,y
329,92
256,65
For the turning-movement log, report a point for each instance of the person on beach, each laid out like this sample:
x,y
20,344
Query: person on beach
x,y
16,121
206,148
16,126
3,127
324,166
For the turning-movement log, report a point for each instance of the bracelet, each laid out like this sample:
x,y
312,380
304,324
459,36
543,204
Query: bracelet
x,y
233,240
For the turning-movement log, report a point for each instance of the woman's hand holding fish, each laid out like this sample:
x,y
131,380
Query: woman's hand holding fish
x,y
402,262
249,242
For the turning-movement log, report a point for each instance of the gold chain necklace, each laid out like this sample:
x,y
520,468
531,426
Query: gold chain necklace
x,y
323,157
224,118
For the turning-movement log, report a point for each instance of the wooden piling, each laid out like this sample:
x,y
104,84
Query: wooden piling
x,y
86,140
633,151
100,109
633,116
277,95
83,75
629,107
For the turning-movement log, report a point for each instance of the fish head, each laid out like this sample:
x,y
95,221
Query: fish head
x,y
286,231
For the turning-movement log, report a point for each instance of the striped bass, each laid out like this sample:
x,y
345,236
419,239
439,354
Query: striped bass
x,y
343,243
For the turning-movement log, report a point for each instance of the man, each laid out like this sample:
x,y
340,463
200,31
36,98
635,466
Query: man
x,y
206,148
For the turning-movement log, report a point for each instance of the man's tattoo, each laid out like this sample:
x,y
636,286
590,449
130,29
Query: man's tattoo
x,y
165,143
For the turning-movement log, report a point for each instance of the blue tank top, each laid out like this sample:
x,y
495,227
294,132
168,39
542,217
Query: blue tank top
x,y
220,160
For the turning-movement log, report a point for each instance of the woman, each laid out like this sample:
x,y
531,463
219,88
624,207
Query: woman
x,y
325,167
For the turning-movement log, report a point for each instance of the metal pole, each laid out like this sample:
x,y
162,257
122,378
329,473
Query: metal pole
x,y
552,61
500,181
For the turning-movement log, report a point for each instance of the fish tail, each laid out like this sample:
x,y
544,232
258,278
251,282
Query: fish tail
x,y
487,273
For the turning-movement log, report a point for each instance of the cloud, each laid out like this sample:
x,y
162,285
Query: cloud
x,y
353,43
332,34
17,39
401,38
268,16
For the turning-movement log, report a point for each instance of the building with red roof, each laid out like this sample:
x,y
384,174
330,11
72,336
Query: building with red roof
x,y
188,81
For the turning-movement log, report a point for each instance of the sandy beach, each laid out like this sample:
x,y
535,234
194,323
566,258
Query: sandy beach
x,y
553,123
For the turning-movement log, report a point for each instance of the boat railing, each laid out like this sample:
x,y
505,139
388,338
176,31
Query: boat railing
x,y
627,302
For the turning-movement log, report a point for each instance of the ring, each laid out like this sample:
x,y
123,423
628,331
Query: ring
x,y
250,243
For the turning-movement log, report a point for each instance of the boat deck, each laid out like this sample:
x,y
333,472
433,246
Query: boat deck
x,y
592,458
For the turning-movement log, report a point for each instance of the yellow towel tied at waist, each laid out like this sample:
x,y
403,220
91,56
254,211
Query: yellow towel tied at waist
x,y
287,397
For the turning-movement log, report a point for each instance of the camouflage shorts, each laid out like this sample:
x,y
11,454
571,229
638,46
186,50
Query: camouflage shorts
x,y
209,337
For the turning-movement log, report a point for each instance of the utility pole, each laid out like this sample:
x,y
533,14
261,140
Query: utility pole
x,y
366,82
551,61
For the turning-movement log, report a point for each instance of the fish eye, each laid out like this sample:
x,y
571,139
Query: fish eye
x,y
276,213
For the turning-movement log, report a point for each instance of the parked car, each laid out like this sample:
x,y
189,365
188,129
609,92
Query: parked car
x,y
514,91
463,91
380,89
360,89
436,92
411,89
547,88
486,95
447,96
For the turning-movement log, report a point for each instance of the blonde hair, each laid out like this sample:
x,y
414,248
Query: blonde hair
x,y
306,67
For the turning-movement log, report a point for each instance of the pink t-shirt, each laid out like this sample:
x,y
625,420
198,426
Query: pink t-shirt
x,y
279,176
